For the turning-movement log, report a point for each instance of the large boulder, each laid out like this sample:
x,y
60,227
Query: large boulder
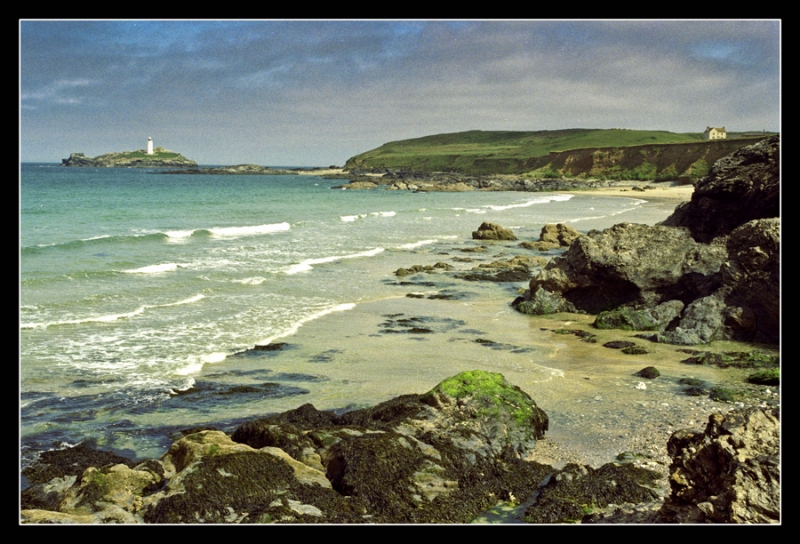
x,y
739,188
632,264
491,231
728,474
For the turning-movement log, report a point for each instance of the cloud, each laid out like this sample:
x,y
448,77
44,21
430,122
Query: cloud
x,y
341,87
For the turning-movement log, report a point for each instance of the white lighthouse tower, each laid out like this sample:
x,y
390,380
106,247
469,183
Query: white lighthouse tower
x,y
149,146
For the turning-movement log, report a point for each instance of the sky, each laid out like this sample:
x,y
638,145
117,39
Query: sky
x,y
315,93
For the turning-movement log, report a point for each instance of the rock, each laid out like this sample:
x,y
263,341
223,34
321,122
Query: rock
x,y
443,456
649,372
618,344
559,234
648,319
632,264
751,282
491,231
543,302
709,272
730,473
739,188
578,490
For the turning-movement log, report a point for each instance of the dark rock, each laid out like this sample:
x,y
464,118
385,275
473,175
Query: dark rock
x,y
648,319
618,344
578,489
491,231
543,302
730,473
273,346
634,350
739,188
649,372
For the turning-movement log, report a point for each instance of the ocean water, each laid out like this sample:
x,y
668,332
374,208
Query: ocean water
x,y
142,295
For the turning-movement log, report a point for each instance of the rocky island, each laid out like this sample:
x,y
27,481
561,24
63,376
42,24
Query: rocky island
x,y
156,158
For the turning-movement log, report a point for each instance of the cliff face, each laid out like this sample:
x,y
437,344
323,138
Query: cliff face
x,y
161,158
687,162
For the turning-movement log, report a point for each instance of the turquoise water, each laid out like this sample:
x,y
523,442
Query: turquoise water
x,y
135,284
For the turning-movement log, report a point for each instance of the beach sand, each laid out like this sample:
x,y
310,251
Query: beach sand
x,y
662,191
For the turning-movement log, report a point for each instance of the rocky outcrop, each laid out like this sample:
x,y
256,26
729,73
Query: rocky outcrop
x,y
553,236
443,456
632,264
690,279
739,188
728,474
161,158
491,231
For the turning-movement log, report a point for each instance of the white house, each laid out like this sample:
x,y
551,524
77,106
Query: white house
x,y
713,133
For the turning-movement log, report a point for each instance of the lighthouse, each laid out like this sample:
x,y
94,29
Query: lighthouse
x,y
149,146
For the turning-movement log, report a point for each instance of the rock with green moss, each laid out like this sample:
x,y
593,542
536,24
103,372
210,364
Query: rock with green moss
x,y
648,319
770,376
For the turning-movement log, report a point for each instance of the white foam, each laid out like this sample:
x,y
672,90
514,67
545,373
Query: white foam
x,y
154,269
350,218
178,235
232,232
417,244
215,357
540,200
195,298
255,280
296,326
384,214
308,264
107,318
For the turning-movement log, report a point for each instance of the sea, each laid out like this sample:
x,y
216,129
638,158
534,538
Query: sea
x,y
150,303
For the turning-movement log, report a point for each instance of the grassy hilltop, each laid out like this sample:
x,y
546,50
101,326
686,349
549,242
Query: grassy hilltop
x,y
589,153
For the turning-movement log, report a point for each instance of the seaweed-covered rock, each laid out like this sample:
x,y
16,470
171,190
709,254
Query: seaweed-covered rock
x,y
577,490
730,473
